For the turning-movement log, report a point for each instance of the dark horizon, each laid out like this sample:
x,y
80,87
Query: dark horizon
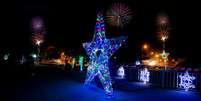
x,y
69,24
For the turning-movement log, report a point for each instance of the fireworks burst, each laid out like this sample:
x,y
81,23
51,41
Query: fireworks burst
x,y
163,25
162,19
37,24
37,38
119,15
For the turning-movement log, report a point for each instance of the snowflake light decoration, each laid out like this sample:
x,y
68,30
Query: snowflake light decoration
x,y
186,81
137,62
6,56
121,72
144,75
99,51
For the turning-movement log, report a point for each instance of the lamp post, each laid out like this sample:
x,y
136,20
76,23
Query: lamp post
x,y
34,56
38,42
164,38
163,24
144,47
164,54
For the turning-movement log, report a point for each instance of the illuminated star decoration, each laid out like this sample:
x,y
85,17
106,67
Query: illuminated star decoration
x,y
144,75
186,81
165,55
99,51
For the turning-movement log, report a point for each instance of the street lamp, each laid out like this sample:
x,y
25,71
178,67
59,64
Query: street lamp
x,y
164,37
164,53
34,56
163,23
38,42
144,47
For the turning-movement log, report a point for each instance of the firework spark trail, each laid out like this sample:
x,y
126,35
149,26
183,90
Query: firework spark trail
x,y
119,15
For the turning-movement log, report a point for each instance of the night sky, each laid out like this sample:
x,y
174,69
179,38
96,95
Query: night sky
x,y
69,24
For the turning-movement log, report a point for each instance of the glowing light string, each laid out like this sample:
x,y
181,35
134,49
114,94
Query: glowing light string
x,y
99,51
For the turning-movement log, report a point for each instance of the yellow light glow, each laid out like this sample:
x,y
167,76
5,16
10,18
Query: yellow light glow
x,y
145,46
152,63
38,42
58,61
163,38
156,55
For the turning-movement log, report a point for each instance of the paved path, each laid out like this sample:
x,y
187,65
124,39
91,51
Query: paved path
x,y
69,90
